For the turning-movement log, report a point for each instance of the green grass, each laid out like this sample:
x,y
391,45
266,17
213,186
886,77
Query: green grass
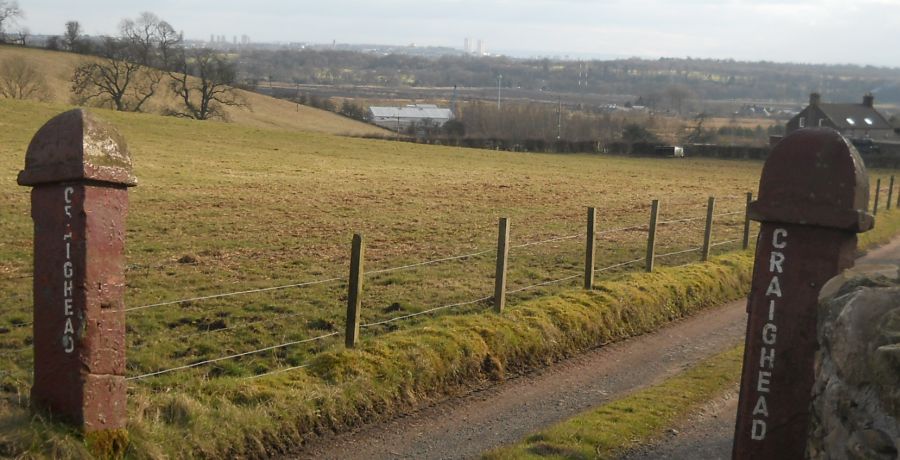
x,y
609,430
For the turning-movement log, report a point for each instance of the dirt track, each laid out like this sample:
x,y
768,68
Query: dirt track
x,y
466,426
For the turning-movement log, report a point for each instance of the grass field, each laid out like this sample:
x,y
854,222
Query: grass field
x,y
225,207
230,207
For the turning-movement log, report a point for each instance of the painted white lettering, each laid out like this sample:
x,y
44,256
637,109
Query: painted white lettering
x,y
69,329
67,194
68,286
768,333
68,209
775,260
68,343
67,236
68,270
758,433
767,355
778,237
761,407
68,250
762,384
67,307
772,310
774,287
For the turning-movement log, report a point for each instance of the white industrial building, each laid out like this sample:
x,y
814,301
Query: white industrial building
x,y
400,118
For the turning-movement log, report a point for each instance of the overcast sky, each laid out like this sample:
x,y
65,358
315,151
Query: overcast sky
x,y
829,31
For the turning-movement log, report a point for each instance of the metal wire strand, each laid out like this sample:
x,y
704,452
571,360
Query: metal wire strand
x,y
678,252
223,358
722,243
551,240
428,262
424,312
622,229
675,221
277,371
545,283
619,265
229,294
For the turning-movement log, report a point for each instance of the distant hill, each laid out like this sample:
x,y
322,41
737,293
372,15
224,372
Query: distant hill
x,y
264,111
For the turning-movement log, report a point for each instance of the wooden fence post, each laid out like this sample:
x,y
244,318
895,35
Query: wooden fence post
x,y
651,236
877,195
746,243
890,193
354,291
707,233
500,274
589,248
80,171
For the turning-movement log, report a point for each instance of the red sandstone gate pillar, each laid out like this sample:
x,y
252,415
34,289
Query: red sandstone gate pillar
x,y
80,170
813,197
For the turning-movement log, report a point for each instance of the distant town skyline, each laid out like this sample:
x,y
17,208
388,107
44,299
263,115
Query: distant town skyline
x,y
805,31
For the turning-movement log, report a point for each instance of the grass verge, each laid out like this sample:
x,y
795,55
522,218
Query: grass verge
x,y
391,373
612,428
609,430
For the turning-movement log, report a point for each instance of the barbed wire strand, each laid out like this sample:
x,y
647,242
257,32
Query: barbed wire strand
x,y
428,262
722,243
622,229
222,329
278,371
223,358
619,265
229,294
551,240
675,221
678,252
424,312
545,283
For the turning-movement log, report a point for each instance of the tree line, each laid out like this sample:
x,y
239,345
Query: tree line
x,y
660,82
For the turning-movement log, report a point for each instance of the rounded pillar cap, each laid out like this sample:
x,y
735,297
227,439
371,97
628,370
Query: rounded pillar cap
x,y
75,145
814,177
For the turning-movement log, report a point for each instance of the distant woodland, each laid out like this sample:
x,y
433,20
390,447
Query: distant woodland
x,y
656,82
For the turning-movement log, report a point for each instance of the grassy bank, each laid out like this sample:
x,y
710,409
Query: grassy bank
x,y
396,371
609,430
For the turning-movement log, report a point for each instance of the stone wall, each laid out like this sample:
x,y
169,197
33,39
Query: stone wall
x,y
856,397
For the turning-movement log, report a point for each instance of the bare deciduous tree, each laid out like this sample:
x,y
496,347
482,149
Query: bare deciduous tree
x,y
21,80
151,38
203,80
9,12
117,79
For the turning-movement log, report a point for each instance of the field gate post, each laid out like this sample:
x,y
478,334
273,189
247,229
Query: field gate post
x,y
651,236
502,258
813,200
890,198
354,291
707,232
80,170
746,241
589,250
877,195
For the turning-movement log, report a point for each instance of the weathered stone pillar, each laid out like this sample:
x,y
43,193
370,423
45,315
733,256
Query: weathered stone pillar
x,y
813,197
80,169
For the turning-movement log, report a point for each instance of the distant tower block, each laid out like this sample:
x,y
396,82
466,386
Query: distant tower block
x,y
481,48
467,45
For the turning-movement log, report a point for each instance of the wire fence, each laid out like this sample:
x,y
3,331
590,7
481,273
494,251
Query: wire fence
x,y
284,318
